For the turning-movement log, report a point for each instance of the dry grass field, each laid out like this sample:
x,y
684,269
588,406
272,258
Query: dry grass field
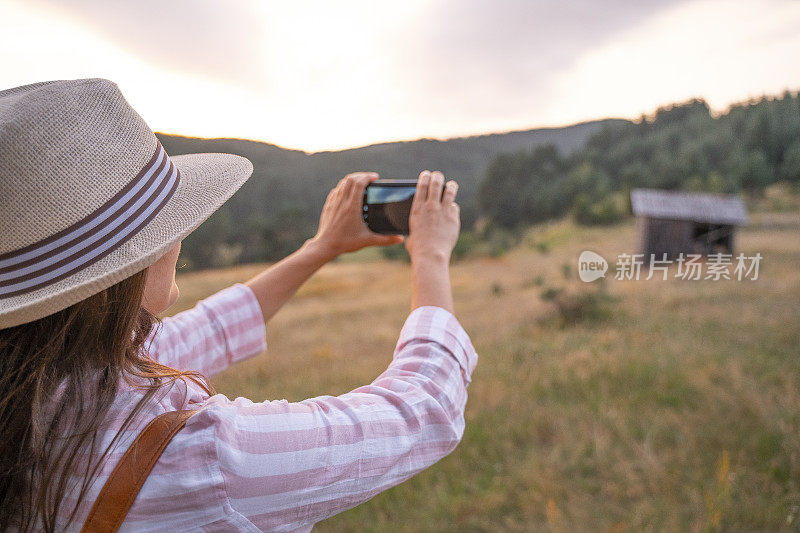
x,y
642,406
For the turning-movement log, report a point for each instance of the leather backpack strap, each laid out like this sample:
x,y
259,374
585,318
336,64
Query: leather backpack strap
x,y
122,486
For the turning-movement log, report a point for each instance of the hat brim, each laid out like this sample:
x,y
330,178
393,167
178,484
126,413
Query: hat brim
x,y
206,182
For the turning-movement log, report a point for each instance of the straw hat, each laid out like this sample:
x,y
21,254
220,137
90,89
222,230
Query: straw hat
x,y
89,197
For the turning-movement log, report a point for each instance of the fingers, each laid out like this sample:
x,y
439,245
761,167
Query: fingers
x,y
337,193
347,186
360,181
422,187
386,240
435,187
353,185
450,190
326,205
334,193
350,188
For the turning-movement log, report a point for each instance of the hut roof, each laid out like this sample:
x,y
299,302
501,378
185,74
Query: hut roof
x,y
697,207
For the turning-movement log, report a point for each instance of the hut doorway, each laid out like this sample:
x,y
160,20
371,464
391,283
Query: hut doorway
x,y
712,238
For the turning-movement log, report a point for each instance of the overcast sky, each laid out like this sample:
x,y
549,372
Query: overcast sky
x,y
329,75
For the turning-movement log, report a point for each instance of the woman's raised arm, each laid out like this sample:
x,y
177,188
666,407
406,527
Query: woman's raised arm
x,y
288,465
341,230
275,285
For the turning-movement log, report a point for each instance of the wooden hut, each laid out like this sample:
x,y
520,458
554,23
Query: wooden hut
x,y
675,222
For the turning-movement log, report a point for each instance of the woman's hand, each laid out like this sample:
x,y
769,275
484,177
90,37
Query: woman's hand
x,y
341,228
435,218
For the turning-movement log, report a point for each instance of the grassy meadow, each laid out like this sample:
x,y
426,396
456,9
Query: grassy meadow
x,y
622,406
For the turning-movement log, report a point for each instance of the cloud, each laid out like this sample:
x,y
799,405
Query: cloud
x,y
721,51
488,57
481,47
204,38
326,75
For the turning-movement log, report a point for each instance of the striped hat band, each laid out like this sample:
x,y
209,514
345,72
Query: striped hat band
x,y
93,237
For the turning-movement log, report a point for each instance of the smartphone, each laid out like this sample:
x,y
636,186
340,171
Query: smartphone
x,y
387,205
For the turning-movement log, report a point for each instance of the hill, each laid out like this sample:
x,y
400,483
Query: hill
x,y
288,187
290,172
512,179
683,146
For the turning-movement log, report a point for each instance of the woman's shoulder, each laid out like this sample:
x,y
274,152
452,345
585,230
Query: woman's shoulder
x,y
185,488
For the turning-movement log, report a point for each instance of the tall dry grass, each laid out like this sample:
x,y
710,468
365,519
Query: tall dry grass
x,y
676,407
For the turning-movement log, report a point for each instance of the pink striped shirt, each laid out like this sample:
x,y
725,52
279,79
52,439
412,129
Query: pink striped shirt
x,y
241,465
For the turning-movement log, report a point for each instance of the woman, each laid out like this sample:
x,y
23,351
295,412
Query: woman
x,y
93,212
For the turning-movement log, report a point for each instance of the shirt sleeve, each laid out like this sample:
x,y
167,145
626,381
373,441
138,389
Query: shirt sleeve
x,y
224,328
289,465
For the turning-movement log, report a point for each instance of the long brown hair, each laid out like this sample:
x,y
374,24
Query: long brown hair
x,y
77,355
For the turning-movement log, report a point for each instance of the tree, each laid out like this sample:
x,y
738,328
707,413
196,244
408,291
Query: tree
x,y
202,246
790,168
287,232
756,172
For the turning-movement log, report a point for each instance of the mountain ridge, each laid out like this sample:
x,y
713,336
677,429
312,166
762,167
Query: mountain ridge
x,y
282,200
365,146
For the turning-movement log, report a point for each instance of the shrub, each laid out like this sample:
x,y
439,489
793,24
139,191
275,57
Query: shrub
x,y
538,281
603,212
586,305
550,293
501,241
566,270
542,246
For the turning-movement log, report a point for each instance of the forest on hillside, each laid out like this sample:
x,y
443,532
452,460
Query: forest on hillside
x,y
279,206
512,180
683,146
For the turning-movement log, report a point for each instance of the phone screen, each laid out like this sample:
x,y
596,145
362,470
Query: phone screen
x,y
387,205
